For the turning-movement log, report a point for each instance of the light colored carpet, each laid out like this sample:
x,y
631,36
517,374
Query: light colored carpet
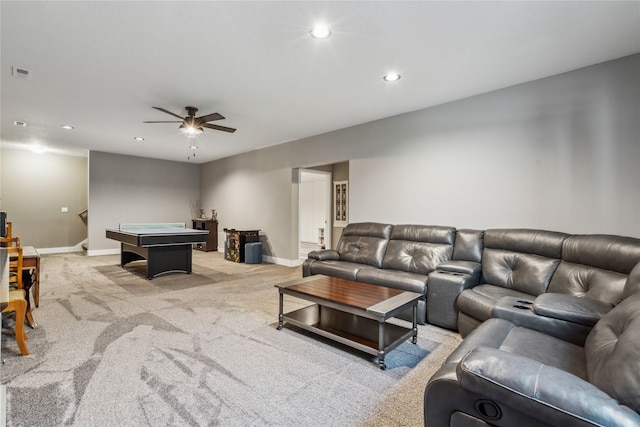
x,y
115,349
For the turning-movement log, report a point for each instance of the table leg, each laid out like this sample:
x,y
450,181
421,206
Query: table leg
x,y
36,289
381,352
280,312
27,283
414,340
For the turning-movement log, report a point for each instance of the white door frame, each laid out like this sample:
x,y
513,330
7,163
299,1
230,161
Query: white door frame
x,y
327,177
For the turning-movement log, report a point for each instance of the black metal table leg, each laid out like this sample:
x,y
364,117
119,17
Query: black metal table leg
x,y
414,340
381,352
280,312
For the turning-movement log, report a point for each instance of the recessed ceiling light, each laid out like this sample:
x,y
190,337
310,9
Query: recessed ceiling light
x,y
19,123
67,127
320,32
139,138
391,77
38,149
193,146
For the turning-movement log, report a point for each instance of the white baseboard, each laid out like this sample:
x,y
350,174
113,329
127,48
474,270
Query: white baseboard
x,y
281,261
98,252
62,250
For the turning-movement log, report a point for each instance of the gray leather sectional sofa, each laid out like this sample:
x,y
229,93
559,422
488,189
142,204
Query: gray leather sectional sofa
x,y
551,321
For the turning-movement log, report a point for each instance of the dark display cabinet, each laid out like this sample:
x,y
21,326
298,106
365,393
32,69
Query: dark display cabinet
x,y
212,240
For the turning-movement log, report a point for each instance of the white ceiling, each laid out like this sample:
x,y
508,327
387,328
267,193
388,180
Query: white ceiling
x,y
101,66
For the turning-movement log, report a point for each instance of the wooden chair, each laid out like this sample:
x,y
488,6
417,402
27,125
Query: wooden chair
x,y
17,274
17,302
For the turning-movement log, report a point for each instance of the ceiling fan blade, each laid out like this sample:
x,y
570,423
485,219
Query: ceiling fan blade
x,y
168,112
210,118
172,121
217,127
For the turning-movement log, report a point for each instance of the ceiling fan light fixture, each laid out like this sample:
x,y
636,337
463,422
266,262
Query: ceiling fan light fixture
x,y
391,77
320,32
191,130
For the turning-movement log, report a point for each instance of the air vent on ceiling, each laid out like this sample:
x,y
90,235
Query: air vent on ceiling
x,y
19,123
22,73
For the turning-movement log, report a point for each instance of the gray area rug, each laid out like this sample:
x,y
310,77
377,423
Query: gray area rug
x,y
115,349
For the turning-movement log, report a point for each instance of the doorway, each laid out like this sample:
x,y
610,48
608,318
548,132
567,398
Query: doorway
x,y
314,213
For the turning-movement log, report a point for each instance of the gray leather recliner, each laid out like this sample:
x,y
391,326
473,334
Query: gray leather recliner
x,y
507,375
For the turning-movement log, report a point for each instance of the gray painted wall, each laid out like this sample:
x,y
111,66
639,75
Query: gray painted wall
x,y
128,189
560,153
34,188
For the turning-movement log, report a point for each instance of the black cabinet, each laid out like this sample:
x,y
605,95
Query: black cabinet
x,y
212,240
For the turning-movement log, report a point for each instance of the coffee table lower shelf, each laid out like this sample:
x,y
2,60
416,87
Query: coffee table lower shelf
x,y
355,331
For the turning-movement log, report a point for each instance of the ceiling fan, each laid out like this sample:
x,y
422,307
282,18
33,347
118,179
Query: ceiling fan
x,y
192,125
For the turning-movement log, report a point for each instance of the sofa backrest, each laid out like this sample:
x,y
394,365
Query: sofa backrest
x,y
612,348
595,266
418,248
364,243
521,259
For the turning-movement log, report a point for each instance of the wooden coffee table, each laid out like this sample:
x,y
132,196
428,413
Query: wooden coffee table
x,y
351,313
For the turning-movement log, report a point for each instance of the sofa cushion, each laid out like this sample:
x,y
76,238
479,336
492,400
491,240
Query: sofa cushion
x,y
364,243
523,272
538,242
612,351
504,335
418,248
415,257
615,253
478,302
424,233
406,281
589,282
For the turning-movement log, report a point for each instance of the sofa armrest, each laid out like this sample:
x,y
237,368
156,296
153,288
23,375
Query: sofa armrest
x,y
571,308
443,288
541,391
324,255
463,267
520,312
